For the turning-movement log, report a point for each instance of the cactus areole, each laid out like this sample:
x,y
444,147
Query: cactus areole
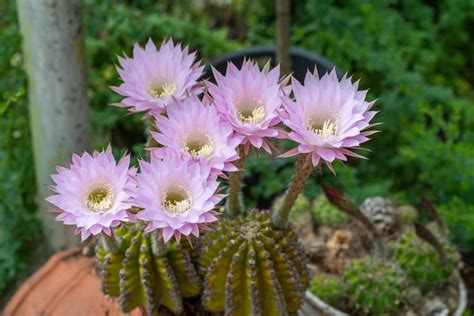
x,y
165,233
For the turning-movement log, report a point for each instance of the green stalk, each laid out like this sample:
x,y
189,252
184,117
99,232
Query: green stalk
x,y
234,201
303,170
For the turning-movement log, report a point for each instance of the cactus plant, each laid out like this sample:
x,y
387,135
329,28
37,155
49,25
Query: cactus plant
x,y
141,273
252,268
325,213
328,287
421,262
375,286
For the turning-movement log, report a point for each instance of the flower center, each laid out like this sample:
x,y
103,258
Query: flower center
x,y
250,111
176,200
200,143
100,199
165,89
324,130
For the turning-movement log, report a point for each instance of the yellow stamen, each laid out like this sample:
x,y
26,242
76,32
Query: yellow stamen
x,y
200,143
100,199
176,200
325,130
254,116
164,90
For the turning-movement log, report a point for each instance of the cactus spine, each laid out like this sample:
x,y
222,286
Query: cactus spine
x,y
251,268
143,275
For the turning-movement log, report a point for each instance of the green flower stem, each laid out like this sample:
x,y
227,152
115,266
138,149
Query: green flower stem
x,y
234,202
109,242
301,175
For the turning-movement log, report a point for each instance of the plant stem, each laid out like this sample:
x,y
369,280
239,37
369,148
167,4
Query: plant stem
x,y
301,175
234,202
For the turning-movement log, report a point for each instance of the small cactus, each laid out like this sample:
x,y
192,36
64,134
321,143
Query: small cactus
x,y
422,264
325,213
142,274
252,268
375,286
328,287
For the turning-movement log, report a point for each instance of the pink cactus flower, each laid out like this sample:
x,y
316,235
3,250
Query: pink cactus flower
x,y
328,119
91,192
177,196
153,78
196,130
249,99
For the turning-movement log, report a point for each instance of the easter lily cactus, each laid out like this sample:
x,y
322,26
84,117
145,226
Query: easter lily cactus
x,y
174,227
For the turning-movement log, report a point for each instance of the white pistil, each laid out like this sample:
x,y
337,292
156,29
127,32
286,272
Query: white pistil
x,y
100,199
176,201
325,130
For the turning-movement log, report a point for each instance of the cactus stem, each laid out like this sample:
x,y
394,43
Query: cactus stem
x,y
301,175
110,244
234,202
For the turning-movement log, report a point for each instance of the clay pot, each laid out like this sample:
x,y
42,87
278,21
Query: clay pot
x,y
65,285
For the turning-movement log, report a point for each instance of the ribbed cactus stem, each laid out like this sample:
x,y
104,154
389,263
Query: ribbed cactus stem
x,y
145,273
250,268
234,202
110,244
301,175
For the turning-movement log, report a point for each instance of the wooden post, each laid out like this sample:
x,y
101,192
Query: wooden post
x,y
53,46
283,33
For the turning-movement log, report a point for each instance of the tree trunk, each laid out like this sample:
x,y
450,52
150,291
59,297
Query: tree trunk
x,y
53,46
283,33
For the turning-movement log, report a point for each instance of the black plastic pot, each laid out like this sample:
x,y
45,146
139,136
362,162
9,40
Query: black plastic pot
x,y
301,61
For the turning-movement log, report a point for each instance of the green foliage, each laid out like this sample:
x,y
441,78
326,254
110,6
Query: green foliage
x,y
375,286
460,217
19,226
18,223
251,268
328,287
327,214
421,263
142,273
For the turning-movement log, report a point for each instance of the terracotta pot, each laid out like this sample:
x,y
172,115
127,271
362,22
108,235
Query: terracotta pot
x,y
65,285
